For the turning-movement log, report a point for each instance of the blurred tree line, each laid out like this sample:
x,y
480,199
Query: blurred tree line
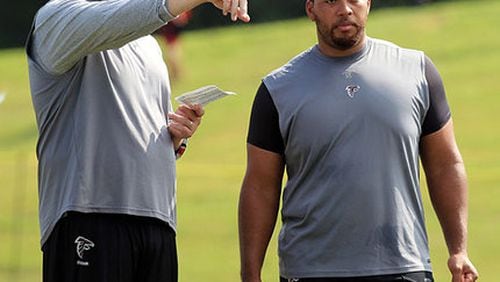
x,y
270,10
16,15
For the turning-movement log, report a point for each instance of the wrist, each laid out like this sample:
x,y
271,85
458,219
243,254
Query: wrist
x,y
250,276
251,279
181,148
459,254
176,142
457,249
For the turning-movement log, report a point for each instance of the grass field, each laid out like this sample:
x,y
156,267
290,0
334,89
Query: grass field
x,y
462,38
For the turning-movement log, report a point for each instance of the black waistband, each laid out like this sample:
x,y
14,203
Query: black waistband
x,y
420,276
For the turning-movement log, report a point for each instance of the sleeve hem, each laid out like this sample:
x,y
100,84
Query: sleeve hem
x,y
164,14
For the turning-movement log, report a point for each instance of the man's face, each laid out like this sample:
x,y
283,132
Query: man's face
x,y
340,23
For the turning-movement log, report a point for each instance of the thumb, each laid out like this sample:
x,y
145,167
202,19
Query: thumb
x,y
469,277
198,110
457,275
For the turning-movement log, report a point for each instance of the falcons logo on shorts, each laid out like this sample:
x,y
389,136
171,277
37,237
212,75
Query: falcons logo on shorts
x,y
352,89
83,244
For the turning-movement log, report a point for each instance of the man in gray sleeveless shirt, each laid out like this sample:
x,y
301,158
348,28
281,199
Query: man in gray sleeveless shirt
x,y
349,120
106,152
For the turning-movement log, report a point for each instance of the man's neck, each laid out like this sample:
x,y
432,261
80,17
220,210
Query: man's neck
x,y
329,51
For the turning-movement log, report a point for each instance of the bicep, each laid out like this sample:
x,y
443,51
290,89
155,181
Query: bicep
x,y
264,169
439,150
265,148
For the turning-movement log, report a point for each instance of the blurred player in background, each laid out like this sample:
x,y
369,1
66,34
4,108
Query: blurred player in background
x,y
171,34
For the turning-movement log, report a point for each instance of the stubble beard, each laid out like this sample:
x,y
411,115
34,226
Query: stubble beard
x,y
328,36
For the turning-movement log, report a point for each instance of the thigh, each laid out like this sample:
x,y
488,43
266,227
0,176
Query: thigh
x,y
88,247
158,257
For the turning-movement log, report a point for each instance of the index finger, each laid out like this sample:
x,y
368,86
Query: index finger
x,y
234,10
470,277
198,109
191,111
244,10
225,6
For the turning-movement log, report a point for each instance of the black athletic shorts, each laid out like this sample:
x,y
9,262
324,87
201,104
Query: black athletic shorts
x,y
422,276
110,248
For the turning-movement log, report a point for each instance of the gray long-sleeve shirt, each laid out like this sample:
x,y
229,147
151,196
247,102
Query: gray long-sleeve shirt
x,y
101,94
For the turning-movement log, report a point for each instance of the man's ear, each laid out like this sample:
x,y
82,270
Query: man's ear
x,y
309,10
369,4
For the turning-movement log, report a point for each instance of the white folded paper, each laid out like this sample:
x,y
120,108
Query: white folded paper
x,y
203,95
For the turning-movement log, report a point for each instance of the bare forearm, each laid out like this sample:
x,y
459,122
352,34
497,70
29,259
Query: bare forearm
x,y
237,8
177,7
257,218
448,191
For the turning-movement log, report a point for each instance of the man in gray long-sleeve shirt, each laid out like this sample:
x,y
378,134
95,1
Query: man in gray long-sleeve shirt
x,y
106,152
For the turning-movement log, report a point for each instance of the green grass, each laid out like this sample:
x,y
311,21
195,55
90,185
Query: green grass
x,y
463,40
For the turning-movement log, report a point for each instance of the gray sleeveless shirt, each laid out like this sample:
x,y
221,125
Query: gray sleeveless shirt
x,y
351,128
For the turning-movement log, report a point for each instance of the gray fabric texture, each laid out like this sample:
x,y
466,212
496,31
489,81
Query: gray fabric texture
x,y
351,128
101,94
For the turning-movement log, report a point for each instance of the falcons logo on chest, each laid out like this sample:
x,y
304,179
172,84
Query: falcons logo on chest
x,y
83,244
351,90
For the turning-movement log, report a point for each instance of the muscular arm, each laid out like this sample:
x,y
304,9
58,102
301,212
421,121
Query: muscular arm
x,y
261,189
446,178
447,184
258,208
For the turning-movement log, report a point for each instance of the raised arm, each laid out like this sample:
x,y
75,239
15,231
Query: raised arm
x,y
67,31
447,183
258,208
